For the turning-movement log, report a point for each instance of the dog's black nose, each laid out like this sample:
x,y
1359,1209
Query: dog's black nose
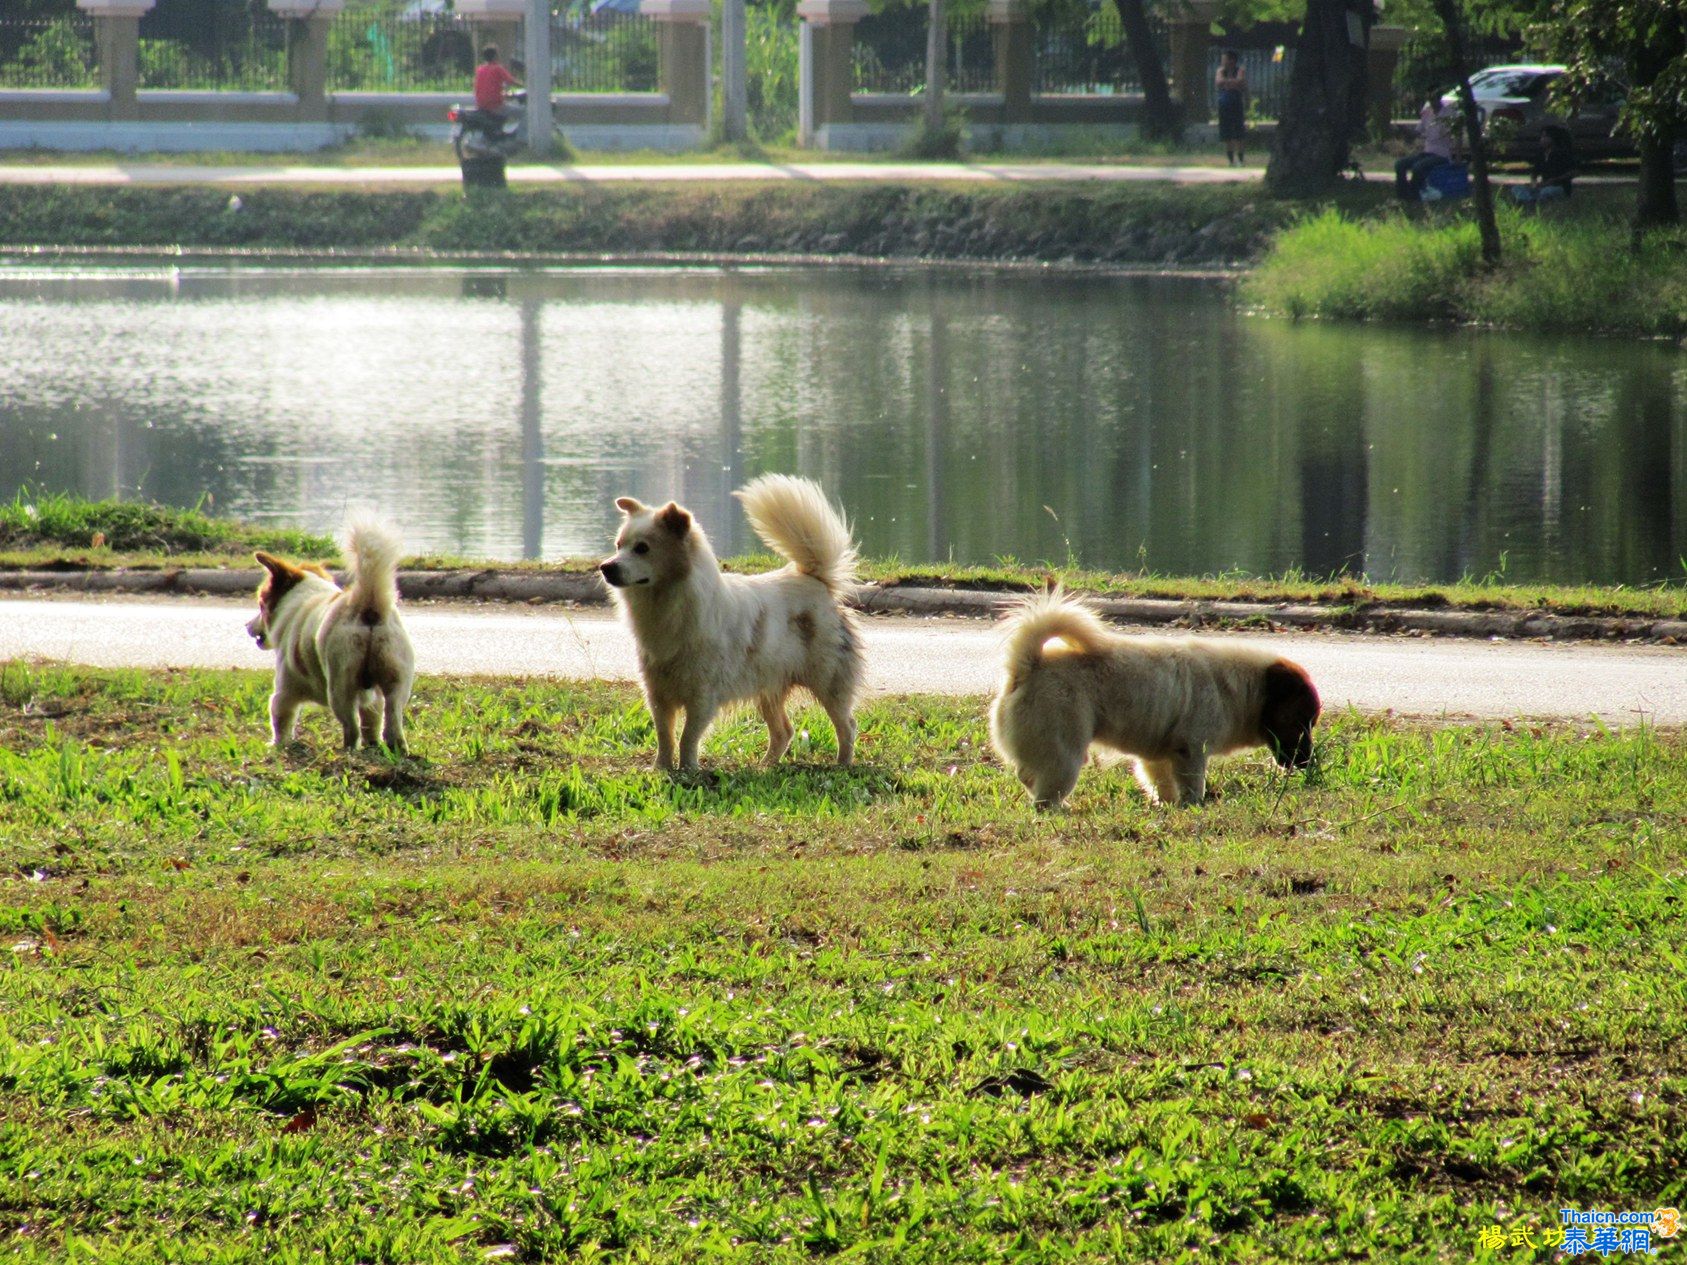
x,y
611,572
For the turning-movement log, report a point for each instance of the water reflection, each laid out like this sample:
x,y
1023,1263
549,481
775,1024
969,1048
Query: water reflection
x,y
1128,423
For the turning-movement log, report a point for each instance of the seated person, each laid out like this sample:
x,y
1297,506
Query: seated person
x,y
1551,173
1437,151
490,80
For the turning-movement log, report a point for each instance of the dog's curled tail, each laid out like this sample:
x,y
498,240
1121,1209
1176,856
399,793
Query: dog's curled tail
x,y
1040,618
373,550
796,521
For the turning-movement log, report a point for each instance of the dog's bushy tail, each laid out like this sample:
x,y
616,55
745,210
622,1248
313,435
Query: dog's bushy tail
x,y
372,547
1042,617
796,521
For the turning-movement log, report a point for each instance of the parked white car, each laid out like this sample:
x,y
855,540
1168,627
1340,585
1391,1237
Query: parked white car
x,y
1516,102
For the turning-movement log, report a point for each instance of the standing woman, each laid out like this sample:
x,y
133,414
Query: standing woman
x,y
1232,85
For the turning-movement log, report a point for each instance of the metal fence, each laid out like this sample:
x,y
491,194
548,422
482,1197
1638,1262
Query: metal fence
x,y
239,51
605,52
890,52
1080,53
47,53
436,52
400,52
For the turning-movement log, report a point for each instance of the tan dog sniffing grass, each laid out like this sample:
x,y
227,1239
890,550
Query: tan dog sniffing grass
x,y
706,638
1169,704
344,649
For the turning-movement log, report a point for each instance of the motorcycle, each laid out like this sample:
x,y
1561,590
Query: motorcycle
x,y
484,142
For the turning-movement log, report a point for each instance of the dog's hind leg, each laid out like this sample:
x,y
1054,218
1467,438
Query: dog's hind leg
x,y
369,716
396,699
841,709
779,728
1158,780
342,701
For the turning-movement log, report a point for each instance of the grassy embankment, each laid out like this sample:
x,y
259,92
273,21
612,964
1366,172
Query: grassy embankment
x,y
520,997
1569,271
1141,223
57,532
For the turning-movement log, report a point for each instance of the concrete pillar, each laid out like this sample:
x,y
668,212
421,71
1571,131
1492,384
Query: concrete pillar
x,y
1189,24
1382,58
495,22
683,56
117,37
828,62
307,52
1013,34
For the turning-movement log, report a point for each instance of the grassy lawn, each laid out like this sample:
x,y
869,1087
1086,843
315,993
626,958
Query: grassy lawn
x,y
519,997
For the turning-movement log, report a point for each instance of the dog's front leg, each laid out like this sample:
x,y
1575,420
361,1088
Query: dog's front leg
x,y
283,715
662,715
698,714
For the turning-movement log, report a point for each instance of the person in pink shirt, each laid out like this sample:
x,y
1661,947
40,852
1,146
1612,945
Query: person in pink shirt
x,y
1410,171
490,80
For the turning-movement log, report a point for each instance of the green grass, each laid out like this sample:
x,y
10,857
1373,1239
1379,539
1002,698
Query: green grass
x,y
520,996
53,531
1562,271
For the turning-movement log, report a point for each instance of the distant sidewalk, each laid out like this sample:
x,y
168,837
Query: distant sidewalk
x,y
1001,173
143,173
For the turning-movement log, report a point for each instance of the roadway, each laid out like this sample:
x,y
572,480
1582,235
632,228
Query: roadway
x,y
1412,676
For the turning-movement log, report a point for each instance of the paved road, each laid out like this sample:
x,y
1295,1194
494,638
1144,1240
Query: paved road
x,y
132,173
1412,676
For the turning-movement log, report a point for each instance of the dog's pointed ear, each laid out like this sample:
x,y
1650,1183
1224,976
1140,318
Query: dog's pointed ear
x,y
674,519
629,505
270,563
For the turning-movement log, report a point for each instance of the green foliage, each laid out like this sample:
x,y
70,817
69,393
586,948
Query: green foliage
x,y
942,143
57,56
34,519
770,60
1641,45
1565,274
365,1010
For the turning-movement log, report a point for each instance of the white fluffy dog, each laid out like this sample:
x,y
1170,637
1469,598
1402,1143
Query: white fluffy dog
x,y
1170,704
345,649
706,638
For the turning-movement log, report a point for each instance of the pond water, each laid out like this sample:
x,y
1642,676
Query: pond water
x,y
1126,423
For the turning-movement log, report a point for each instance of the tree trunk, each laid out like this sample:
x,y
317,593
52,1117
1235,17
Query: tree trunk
x,y
1161,118
1326,106
1654,59
937,44
1657,204
735,96
1482,190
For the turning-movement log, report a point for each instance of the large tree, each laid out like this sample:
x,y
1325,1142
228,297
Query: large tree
x,y
1644,42
1161,117
1325,112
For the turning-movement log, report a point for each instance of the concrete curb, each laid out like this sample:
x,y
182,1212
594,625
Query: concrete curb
x,y
492,585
